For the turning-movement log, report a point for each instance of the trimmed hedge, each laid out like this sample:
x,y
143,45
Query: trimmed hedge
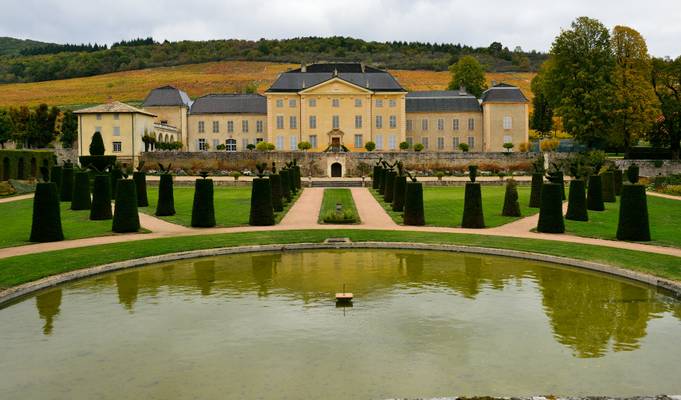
x,y
618,177
262,212
608,187
389,186
299,183
166,199
633,222
140,179
576,210
116,174
413,204
29,167
66,188
101,198
285,185
399,187
472,207
46,224
292,181
381,182
100,163
535,192
551,210
126,218
594,198
80,200
277,198
511,204
56,177
203,209
375,177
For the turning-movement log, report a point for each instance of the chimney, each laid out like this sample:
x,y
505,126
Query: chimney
x,y
303,67
462,90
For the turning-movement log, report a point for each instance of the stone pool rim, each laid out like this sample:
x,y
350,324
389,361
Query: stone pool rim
x,y
16,292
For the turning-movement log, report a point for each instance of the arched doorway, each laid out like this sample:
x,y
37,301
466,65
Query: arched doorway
x,y
34,167
5,169
336,170
20,169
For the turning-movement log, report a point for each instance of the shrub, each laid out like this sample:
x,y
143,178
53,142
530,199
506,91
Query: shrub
x,y
46,224
125,218
576,210
439,175
633,222
511,205
617,178
97,145
203,208
66,188
404,146
523,147
632,173
399,187
472,207
608,187
375,177
220,147
140,179
339,217
508,146
418,147
551,210
80,200
658,163
265,146
304,146
56,177
370,146
250,146
594,198
464,147
235,175
285,184
262,212
101,198
549,145
166,198
535,191
413,204
277,196
389,186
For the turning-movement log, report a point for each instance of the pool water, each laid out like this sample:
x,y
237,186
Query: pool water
x,y
422,324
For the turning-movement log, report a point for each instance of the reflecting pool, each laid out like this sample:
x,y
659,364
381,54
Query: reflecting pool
x,y
422,324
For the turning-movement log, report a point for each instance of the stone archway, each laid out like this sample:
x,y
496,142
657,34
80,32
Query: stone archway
x,y
336,170
20,169
5,169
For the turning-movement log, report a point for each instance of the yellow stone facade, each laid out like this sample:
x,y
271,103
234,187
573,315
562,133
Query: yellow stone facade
x,y
234,130
444,131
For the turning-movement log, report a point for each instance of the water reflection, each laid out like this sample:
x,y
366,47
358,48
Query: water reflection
x,y
128,288
205,275
48,307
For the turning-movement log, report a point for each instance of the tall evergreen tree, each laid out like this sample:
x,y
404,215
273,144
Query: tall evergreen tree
x,y
6,128
469,74
541,119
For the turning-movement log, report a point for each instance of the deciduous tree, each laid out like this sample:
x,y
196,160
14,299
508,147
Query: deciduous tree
x,y
666,78
469,74
69,129
541,119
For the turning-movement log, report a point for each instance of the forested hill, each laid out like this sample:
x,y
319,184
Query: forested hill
x,y
11,46
69,61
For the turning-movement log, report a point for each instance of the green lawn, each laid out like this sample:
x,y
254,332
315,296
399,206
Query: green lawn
x,y
664,216
21,269
343,196
17,219
443,206
232,205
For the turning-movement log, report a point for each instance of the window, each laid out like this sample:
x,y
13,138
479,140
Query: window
x,y
98,129
392,103
508,139
359,142
379,103
312,102
258,126
216,142
410,140
455,143
258,140
358,102
293,122
117,147
202,144
335,103
99,117
358,121
280,122
244,144
313,141
280,103
313,122
216,126
393,121
117,131
164,122
455,124
230,126
471,124
230,144
471,142
392,142
280,142
424,142
508,123
116,116
292,103
440,143
424,124
440,124
244,126
335,122
202,127
379,142
379,121
293,142
410,125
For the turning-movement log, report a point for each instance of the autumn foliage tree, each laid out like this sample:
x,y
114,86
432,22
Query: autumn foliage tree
x,y
469,74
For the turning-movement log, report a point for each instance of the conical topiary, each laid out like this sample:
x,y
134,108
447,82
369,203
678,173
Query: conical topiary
x,y
262,212
511,204
617,176
608,187
116,174
576,210
140,178
80,200
126,218
413,204
389,186
594,198
633,221
97,145
277,197
46,225
166,199
203,209
56,177
535,191
66,188
551,210
375,178
101,198
285,186
399,188
472,207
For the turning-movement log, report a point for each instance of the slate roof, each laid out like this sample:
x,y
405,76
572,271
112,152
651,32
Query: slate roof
x,y
230,104
167,96
442,101
503,93
367,77
113,107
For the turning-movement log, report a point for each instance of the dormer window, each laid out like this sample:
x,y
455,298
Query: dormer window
x,y
164,122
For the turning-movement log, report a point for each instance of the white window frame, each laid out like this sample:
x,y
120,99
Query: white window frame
x,y
410,125
335,103
455,142
202,127
116,147
379,103
313,141
202,144
425,142
216,126
392,103
230,144
293,143
259,126
424,125
471,124
440,124
379,142
440,143
358,102
230,126
455,124
292,103
280,121
293,122
359,141
313,122
312,102
471,142
508,123
244,126
280,142
379,121
358,122
280,103
335,122
508,139
393,121
392,142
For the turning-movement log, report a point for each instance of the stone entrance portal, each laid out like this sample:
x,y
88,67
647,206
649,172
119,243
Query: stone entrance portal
x,y
336,170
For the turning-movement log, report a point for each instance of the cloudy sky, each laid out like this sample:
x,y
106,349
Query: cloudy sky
x,y
531,24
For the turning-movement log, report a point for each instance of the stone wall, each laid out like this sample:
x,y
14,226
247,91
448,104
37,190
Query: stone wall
x,y
651,168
